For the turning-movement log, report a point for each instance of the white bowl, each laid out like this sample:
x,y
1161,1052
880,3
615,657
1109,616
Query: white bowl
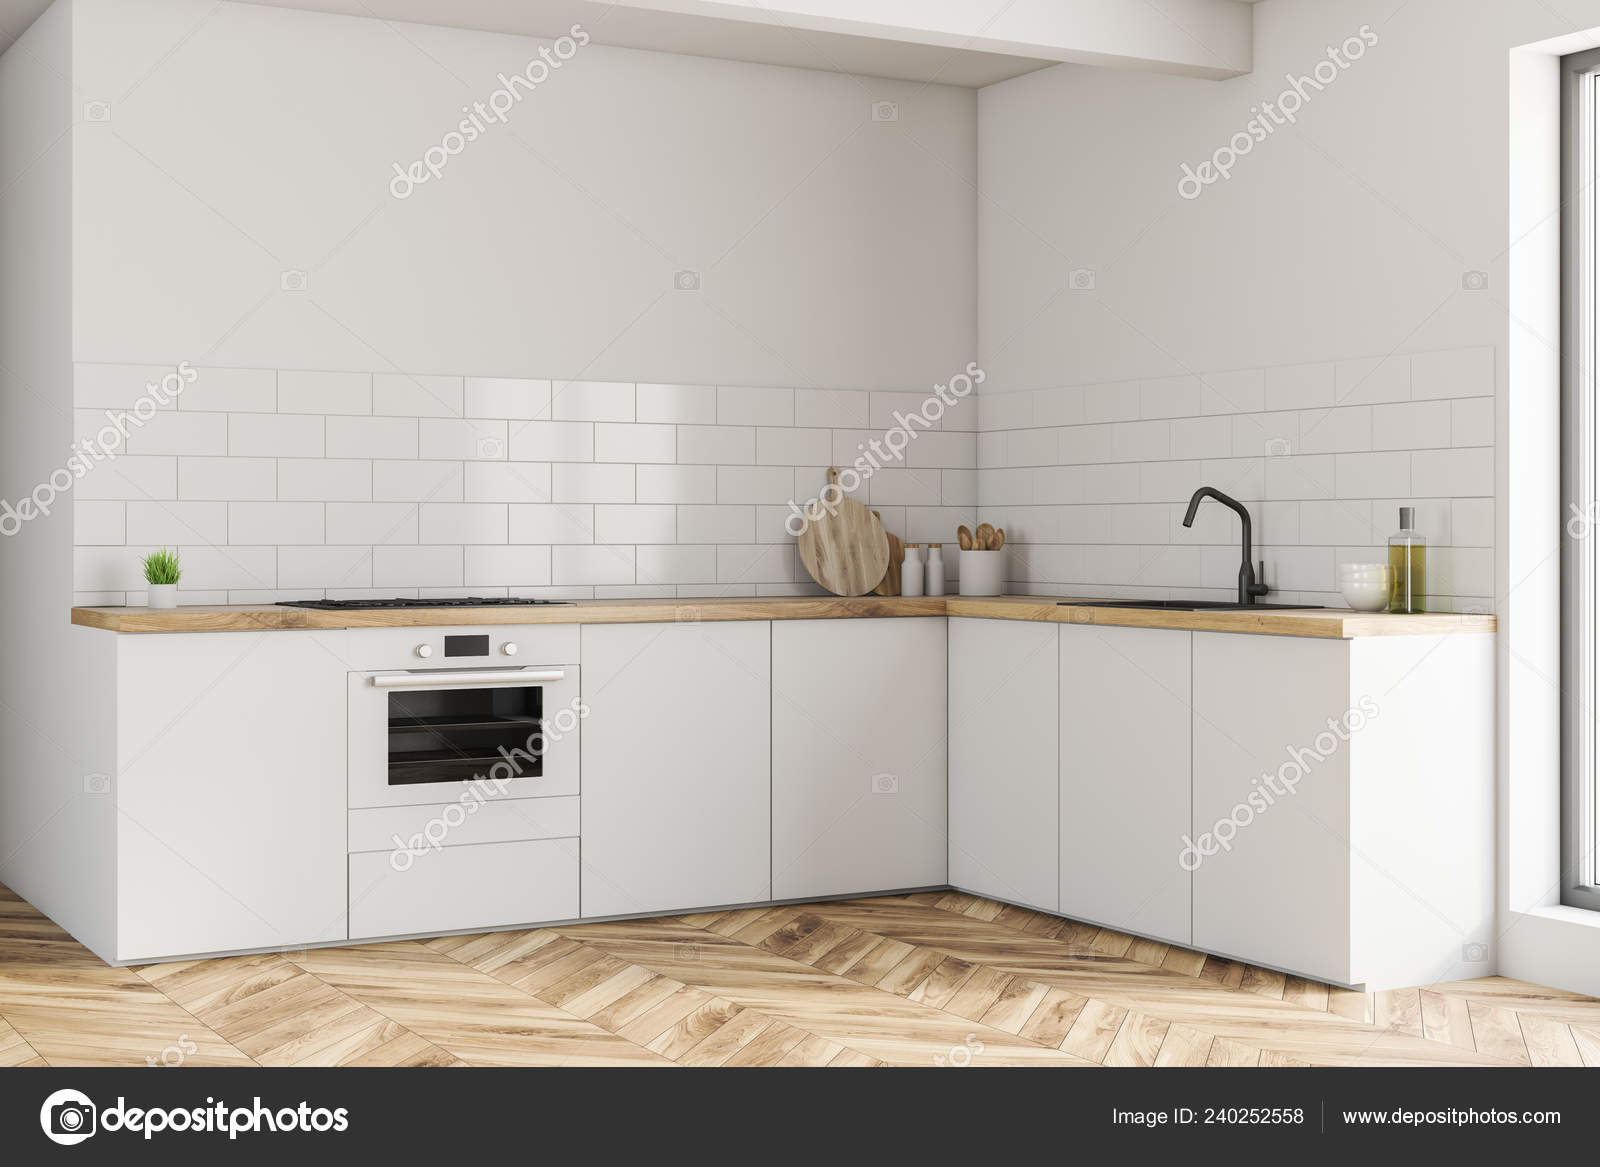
x,y
1367,595
1363,569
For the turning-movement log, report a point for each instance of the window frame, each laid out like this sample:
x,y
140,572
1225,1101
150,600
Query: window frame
x,y
1580,452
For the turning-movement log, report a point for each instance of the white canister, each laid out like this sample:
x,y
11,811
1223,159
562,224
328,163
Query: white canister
x,y
934,581
911,571
982,573
161,595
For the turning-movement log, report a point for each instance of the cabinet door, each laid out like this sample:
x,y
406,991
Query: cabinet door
x,y
230,792
1003,760
676,766
1272,802
858,756
1125,778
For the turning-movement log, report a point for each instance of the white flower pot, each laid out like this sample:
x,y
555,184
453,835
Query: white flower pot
x,y
983,572
162,595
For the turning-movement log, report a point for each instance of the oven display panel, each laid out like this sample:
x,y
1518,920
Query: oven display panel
x,y
466,646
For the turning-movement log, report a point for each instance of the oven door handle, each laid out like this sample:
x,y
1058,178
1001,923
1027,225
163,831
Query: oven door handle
x,y
468,680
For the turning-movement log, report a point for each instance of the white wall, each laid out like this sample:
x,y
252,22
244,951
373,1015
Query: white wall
x,y
243,141
1344,238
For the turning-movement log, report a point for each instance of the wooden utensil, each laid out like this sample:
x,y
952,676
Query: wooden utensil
x,y
999,540
843,546
983,537
890,584
964,538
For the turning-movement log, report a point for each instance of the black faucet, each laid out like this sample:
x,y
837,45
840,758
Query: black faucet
x,y
1249,588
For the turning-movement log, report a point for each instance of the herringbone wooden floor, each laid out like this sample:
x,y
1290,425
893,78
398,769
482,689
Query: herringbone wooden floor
x,y
933,979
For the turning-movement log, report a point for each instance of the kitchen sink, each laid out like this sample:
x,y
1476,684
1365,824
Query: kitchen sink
x,y
1185,605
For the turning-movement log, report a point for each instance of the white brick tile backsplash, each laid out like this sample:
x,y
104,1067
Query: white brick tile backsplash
x,y
99,523
1465,473
1472,422
677,565
275,522
272,435
788,446
634,442
720,445
1411,425
324,568
592,565
174,432
635,523
130,477
1344,429
676,404
741,406
507,482
759,484
1453,373
832,408
294,483
372,523
311,479
1244,391
462,522
172,523
591,482
371,437
510,566
231,391
221,479
344,393
403,395
551,523
591,401
497,397
1301,386
455,438
676,484
416,481
417,567
552,441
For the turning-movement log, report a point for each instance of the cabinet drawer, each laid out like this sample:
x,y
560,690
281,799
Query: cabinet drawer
x,y
486,885
456,824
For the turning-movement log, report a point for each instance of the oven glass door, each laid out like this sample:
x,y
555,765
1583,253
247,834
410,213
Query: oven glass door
x,y
455,735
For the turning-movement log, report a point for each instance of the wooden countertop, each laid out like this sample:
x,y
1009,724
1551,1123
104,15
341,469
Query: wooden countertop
x,y
1330,623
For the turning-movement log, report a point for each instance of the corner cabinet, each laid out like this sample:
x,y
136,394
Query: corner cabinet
x,y
1004,758
1125,724
858,756
676,766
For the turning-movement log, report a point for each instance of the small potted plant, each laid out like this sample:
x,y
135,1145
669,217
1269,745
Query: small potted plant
x,y
161,572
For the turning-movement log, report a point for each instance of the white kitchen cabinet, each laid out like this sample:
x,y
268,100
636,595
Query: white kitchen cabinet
x,y
858,756
1125,722
1343,805
1004,779
230,792
676,766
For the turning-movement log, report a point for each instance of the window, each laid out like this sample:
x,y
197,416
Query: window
x,y
1581,512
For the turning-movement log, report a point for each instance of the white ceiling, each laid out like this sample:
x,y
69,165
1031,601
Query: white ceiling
x,y
751,31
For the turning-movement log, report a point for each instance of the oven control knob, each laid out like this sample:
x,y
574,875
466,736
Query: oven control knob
x,y
509,648
424,650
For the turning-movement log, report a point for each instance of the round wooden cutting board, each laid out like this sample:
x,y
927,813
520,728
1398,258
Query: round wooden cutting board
x,y
844,547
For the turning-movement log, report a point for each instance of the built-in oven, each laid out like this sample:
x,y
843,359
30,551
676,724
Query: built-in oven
x,y
465,716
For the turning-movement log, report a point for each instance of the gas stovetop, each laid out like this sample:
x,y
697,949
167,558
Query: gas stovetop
x,y
424,602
